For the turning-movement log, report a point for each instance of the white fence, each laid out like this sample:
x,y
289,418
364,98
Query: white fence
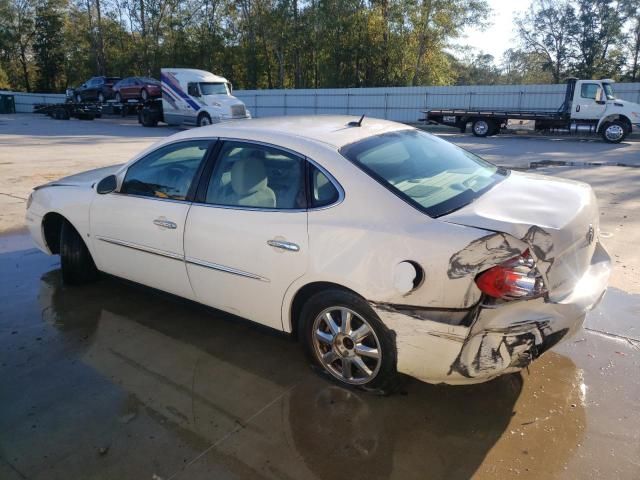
x,y
26,101
404,104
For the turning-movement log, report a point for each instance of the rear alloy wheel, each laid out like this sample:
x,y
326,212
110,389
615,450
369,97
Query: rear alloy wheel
x,y
614,132
204,119
345,338
482,127
77,264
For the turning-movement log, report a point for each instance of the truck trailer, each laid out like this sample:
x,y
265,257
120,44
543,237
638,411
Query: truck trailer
x,y
589,107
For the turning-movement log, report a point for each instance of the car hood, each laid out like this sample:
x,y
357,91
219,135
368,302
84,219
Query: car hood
x,y
83,179
556,218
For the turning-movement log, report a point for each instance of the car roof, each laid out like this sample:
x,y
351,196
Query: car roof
x,y
328,129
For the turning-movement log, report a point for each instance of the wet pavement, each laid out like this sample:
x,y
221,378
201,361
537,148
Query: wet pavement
x,y
114,380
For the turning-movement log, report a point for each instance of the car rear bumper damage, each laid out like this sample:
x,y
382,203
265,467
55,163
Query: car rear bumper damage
x,y
481,343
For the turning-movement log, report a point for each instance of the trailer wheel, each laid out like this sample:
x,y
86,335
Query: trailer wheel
x,y
204,119
482,127
614,132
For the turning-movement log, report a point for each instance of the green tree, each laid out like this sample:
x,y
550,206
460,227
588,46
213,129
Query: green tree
x,y
48,44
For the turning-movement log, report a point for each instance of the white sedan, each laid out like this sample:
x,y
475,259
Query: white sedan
x,y
382,248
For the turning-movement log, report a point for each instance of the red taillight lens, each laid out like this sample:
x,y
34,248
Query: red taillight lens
x,y
515,278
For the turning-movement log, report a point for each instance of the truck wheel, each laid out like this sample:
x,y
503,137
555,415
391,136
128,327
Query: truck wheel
x,y
614,132
482,127
204,119
148,119
77,265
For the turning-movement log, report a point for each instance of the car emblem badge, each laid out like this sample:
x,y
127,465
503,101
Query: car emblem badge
x,y
590,235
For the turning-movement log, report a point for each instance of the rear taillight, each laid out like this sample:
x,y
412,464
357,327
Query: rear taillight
x,y
516,278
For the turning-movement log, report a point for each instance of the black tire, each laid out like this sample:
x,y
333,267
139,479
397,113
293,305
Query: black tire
x,y
204,119
482,127
614,132
386,380
77,265
149,119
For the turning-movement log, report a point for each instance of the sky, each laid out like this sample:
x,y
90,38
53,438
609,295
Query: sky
x,y
500,35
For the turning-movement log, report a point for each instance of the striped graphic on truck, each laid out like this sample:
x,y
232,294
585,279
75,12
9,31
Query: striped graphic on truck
x,y
171,87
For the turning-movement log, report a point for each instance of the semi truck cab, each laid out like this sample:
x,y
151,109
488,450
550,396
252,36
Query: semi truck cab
x,y
197,97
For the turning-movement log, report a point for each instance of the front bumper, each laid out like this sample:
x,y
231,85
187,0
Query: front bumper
x,y
500,339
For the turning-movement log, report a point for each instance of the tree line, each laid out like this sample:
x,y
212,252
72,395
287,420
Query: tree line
x,y
48,45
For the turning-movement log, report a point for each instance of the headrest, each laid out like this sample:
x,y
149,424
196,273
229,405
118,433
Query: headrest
x,y
248,175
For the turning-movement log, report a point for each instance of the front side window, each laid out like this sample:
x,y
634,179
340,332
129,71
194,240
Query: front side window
x,y
589,90
166,173
256,176
210,88
435,176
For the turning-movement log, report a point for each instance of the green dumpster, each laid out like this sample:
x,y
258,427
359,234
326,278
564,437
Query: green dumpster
x,y
7,103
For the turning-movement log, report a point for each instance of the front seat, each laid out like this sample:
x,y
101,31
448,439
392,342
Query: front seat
x,y
249,184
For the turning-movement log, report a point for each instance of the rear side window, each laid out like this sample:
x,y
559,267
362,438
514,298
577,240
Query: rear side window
x,y
321,189
166,173
431,174
257,176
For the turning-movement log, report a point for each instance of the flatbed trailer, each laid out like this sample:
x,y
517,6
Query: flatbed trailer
x,y
67,110
589,107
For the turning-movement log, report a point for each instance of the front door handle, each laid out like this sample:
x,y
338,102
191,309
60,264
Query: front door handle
x,y
289,246
161,222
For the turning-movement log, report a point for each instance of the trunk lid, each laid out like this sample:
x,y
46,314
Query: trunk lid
x,y
557,218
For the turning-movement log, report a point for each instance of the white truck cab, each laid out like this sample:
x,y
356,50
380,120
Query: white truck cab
x,y
197,97
594,102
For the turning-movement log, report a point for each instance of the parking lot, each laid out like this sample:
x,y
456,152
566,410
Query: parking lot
x,y
113,380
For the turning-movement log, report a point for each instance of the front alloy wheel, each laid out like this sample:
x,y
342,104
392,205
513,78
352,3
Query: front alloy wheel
x,y
346,345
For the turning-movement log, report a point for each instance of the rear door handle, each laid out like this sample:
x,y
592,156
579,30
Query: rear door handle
x,y
165,223
281,244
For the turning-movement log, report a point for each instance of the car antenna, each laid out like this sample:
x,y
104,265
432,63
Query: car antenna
x,y
356,124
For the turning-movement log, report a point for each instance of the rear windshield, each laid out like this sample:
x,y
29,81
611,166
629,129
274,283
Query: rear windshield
x,y
431,174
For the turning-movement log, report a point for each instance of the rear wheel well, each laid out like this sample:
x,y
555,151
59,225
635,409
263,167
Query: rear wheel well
x,y
304,294
51,227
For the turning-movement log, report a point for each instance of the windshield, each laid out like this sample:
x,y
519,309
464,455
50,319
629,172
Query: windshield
x,y
213,88
433,175
608,90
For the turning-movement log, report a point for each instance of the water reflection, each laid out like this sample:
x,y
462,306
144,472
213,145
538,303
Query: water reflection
x,y
205,378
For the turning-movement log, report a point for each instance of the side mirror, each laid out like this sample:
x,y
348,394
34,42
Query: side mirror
x,y
600,96
107,185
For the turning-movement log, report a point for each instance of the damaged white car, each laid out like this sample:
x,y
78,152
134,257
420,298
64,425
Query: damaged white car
x,y
383,248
